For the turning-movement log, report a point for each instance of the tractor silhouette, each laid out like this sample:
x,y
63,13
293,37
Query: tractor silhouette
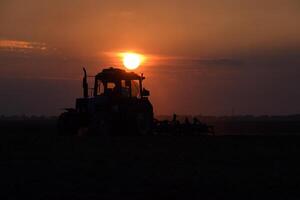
x,y
119,105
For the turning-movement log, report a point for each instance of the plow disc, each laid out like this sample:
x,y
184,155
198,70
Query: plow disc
x,y
175,128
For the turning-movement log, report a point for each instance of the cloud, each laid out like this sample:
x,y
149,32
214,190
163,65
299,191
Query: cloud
x,y
21,45
196,62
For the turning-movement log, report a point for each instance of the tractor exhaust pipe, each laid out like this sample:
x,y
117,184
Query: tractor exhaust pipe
x,y
85,85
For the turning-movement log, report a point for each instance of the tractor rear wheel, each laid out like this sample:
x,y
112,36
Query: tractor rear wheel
x,y
99,125
144,124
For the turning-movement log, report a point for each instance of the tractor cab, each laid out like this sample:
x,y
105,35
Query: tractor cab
x,y
117,83
113,88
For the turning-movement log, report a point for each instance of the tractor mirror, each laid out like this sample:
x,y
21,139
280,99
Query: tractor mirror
x,y
145,93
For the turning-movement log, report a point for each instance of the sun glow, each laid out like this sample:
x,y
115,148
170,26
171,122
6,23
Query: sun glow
x,y
132,60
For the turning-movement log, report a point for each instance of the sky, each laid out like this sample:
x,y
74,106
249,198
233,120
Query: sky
x,y
206,57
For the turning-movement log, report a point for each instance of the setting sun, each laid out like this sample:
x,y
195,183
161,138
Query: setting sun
x,y
132,60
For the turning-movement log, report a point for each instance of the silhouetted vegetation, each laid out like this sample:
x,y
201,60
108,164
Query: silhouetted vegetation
x,y
223,125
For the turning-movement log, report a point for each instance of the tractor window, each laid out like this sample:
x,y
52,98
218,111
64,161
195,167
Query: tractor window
x,y
100,88
111,88
125,88
111,85
135,89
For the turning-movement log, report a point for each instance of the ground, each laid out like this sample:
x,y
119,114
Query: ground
x,y
47,166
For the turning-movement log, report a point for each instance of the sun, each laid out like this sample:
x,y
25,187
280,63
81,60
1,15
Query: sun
x,y
132,60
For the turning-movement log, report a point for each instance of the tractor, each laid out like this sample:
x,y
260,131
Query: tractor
x,y
117,105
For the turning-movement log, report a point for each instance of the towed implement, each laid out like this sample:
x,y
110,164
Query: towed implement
x,y
119,105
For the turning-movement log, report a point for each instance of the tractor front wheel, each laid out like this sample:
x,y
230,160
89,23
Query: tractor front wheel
x,y
68,124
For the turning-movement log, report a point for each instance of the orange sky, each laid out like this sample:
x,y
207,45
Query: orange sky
x,y
210,55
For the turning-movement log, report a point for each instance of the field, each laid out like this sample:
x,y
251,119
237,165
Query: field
x,y
35,162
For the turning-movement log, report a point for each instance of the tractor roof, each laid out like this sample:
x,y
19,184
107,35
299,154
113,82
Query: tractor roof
x,y
111,74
